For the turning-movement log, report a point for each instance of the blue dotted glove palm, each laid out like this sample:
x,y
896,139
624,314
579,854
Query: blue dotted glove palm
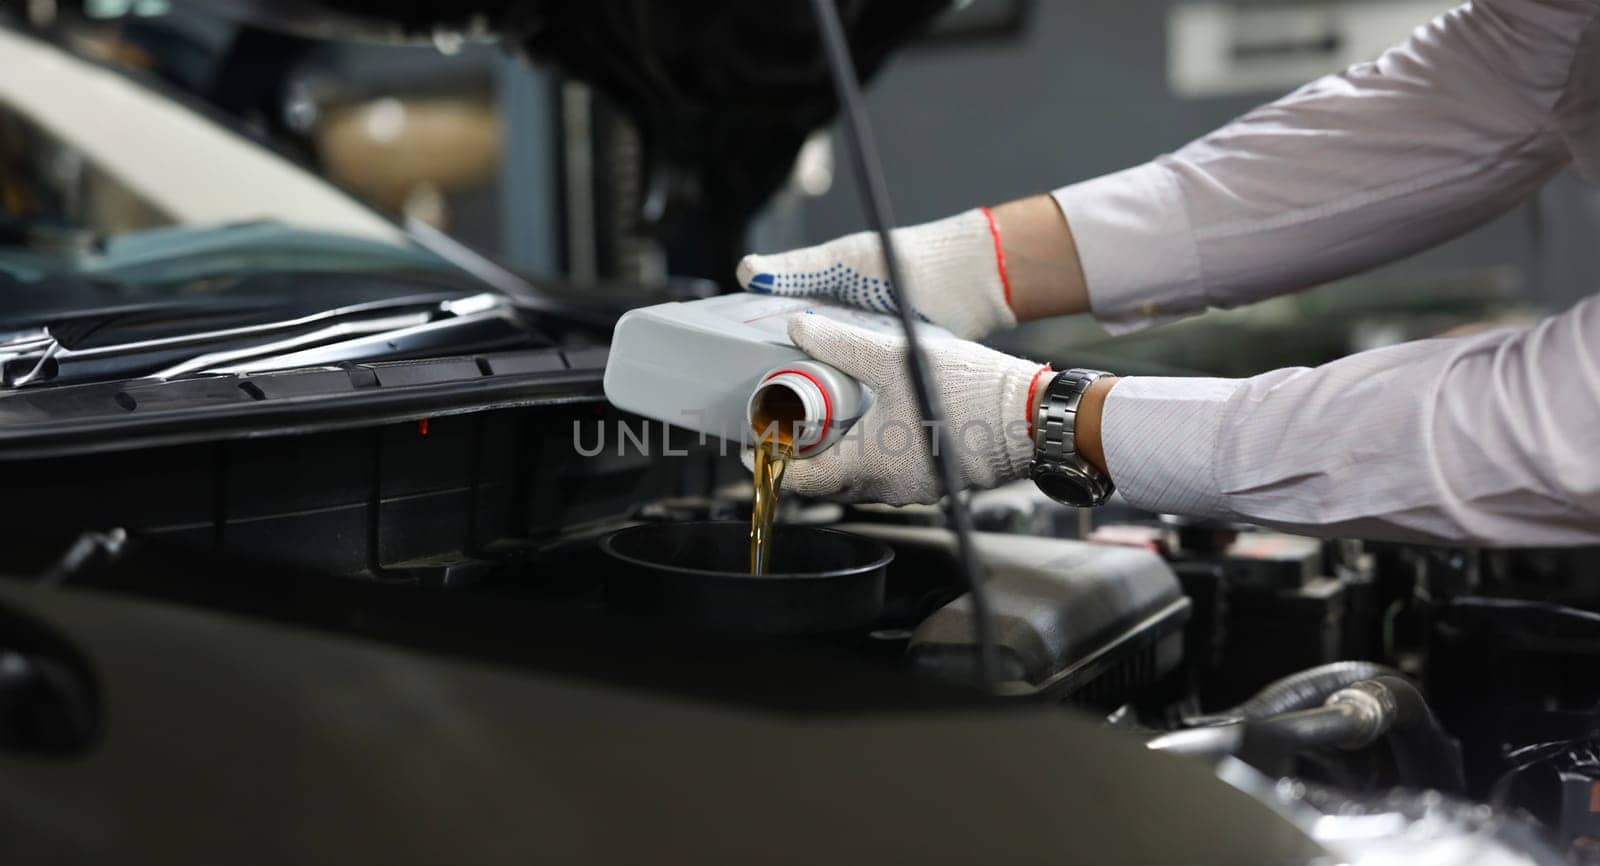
x,y
953,264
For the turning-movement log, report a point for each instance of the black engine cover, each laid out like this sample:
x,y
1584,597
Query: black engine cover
x,y
1073,619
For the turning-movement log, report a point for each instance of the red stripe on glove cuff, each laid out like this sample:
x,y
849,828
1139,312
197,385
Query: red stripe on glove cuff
x,y
1033,388
999,254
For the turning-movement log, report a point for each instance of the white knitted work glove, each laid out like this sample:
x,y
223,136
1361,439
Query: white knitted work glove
x,y
955,266
884,457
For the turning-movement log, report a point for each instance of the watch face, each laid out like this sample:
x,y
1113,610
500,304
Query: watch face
x,y
1067,485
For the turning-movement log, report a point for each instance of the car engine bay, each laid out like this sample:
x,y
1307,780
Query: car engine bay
x,y
1365,669
422,488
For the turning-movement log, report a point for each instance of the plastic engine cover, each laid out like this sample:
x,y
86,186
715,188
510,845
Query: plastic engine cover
x,y
1071,617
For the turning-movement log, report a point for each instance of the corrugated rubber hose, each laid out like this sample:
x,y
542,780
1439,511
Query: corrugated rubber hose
x,y
1301,691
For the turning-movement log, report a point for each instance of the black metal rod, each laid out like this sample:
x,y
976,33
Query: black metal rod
x,y
875,197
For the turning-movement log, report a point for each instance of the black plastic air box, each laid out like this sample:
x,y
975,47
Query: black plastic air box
x,y
1075,620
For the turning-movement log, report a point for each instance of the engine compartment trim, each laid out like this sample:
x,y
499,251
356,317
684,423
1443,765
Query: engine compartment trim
x,y
117,416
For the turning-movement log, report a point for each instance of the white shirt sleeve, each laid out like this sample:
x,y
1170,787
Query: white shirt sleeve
x,y
1492,439
1476,110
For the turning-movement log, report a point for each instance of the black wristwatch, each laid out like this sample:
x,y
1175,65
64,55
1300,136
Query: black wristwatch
x,y
1058,469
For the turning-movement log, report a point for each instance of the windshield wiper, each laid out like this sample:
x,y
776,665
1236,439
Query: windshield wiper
x,y
24,355
370,331
213,360
478,321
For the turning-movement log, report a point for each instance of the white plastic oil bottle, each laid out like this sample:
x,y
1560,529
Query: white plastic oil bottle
x,y
724,367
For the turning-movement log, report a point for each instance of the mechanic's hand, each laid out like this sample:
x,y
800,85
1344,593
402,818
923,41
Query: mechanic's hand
x,y
955,267
884,457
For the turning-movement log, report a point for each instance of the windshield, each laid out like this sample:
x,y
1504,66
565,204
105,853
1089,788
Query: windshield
x,y
87,154
140,239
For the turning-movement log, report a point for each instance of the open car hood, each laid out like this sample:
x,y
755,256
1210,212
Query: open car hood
x,y
723,93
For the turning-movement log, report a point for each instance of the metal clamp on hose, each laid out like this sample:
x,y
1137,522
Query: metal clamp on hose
x,y
1355,716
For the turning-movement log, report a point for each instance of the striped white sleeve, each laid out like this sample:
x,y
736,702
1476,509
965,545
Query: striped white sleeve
x,y
1491,439
1438,135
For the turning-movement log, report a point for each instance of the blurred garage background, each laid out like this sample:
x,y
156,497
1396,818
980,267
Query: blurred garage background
x,y
1000,98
